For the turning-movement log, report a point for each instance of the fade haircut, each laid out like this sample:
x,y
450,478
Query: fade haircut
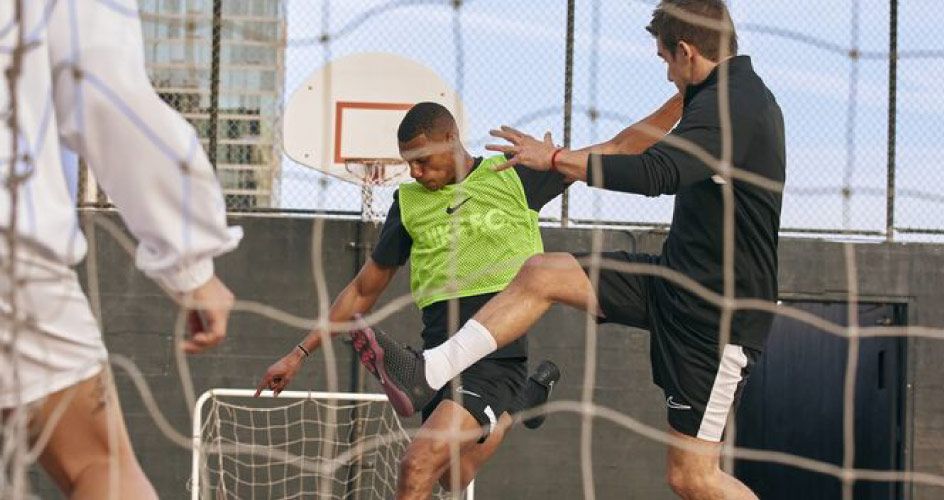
x,y
425,118
670,28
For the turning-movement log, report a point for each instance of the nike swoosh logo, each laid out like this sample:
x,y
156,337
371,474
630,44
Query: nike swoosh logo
x,y
452,210
470,393
676,406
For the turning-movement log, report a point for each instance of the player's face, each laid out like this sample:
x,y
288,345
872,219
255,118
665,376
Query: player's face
x,y
432,160
678,67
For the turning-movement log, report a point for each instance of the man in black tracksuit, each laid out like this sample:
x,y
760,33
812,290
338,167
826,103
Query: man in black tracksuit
x,y
700,369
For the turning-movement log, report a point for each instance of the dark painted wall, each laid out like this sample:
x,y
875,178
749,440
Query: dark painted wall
x,y
274,266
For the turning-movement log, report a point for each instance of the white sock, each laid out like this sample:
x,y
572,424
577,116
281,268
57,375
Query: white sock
x,y
471,343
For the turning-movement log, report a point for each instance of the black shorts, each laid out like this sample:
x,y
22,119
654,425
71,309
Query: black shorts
x,y
701,382
489,388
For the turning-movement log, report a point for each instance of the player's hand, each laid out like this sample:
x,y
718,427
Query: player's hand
x,y
524,150
280,373
206,322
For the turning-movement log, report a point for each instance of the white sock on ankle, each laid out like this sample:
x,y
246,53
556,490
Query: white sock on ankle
x,y
471,343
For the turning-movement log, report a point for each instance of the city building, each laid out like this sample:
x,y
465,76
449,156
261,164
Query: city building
x,y
179,52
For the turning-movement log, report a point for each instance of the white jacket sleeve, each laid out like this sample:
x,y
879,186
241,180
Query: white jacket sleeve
x,y
146,157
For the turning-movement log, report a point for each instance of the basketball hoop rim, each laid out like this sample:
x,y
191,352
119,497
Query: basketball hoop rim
x,y
370,176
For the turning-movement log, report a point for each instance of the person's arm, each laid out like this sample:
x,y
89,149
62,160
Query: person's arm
x,y
681,159
573,164
641,135
146,157
357,297
391,251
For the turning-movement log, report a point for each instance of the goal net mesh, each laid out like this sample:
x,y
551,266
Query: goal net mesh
x,y
300,447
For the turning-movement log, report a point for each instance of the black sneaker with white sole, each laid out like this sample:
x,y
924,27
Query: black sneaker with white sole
x,y
400,370
538,391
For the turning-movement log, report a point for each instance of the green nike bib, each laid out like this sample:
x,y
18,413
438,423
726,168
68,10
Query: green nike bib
x,y
469,238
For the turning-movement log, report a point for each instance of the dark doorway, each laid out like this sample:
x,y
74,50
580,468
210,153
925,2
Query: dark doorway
x,y
793,403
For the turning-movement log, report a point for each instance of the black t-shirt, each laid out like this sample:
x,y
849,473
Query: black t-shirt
x,y
393,250
694,246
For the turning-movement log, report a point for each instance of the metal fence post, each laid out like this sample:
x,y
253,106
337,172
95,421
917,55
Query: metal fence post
x,y
892,118
568,100
213,128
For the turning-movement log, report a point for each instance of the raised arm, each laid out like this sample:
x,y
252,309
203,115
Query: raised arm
x,y
675,162
143,153
538,155
358,297
639,136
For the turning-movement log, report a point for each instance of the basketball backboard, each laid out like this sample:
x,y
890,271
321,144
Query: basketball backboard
x,y
347,113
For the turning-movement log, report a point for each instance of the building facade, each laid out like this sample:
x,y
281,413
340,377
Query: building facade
x,y
179,51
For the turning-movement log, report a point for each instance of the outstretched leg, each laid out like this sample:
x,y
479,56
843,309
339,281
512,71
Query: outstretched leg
x,y
411,379
543,280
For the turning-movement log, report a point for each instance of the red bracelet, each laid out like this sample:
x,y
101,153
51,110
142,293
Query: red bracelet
x,y
554,159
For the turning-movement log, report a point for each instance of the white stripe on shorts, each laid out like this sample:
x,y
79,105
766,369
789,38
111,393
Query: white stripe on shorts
x,y
733,361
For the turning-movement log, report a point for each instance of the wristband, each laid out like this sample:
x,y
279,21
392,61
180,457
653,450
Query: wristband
x,y
303,350
554,159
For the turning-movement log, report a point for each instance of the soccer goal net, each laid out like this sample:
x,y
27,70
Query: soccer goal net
x,y
299,445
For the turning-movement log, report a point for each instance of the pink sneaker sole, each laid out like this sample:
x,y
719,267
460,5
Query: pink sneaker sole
x,y
371,356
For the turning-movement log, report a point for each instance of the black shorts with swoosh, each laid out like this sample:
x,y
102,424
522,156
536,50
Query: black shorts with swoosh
x,y
489,388
702,383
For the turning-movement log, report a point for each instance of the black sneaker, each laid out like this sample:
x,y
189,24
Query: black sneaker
x,y
538,390
400,370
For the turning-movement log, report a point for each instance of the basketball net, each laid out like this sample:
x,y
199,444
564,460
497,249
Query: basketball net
x,y
373,174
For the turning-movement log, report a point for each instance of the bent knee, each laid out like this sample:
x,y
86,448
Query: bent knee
x,y
693,484
92,469
543,268
412,466
420,463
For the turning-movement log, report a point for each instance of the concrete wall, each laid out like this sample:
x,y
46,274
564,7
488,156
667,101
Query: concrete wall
x,y
274,266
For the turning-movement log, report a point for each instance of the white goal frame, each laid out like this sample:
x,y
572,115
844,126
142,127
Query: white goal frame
x,y
249,393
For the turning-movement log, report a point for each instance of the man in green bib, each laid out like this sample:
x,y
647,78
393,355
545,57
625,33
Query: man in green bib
x,y
465,229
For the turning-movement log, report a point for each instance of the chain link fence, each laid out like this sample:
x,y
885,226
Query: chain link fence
x,y
862,143
221,64
919,181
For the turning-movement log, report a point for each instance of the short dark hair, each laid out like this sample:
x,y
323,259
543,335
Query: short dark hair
x,y
669,28
423,118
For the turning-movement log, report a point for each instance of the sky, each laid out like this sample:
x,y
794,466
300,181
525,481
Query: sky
x,y
507,61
